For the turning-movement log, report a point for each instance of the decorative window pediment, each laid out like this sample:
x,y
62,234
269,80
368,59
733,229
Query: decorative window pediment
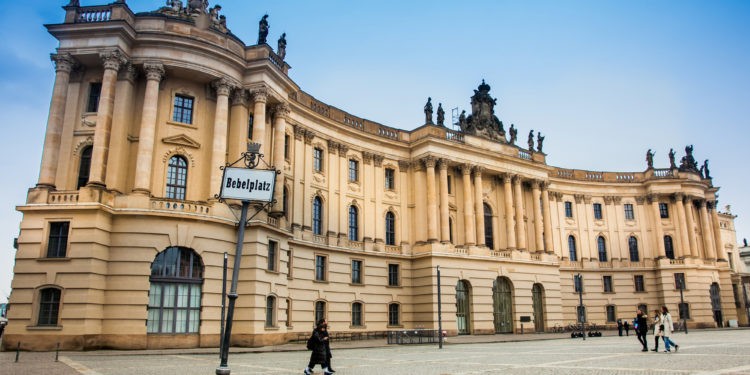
x,y
181,140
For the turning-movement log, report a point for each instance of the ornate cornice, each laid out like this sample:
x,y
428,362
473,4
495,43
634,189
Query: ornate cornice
x,y
112,59
154,71
64,62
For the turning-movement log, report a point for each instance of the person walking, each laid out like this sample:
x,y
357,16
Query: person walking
x,y
627,328
641,329
317,343
658,330
328,345
666,322
619,327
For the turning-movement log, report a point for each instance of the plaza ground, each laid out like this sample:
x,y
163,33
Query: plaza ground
x,y
725,351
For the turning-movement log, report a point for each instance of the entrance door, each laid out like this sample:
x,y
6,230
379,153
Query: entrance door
x,y
716,304
502,303
537,295
463,315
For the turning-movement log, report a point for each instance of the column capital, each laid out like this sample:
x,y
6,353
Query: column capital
x,y
652,198
64,62
154,71
578,198
333,146
378,159
429,161
640,199
465,168
299,132
367,157
537,184
403,165
309,135
700,203
128,73
343,149
478,170
517,179
281,110
222,86
443,164
506,177
240,97
678,197
112,59
608,199
260,95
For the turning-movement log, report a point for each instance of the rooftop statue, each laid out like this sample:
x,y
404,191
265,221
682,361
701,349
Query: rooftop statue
x,y
428,111
213,14
649,159
672,165
197,6
440,115
462,120
263,29
706,172
513,134
539,141
531,140
482,121
174,8
688,163
281,50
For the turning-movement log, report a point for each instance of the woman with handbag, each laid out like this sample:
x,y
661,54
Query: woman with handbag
x,y
658,330
666,321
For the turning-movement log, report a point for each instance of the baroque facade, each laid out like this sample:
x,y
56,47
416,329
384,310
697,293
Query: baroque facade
x,y
122,241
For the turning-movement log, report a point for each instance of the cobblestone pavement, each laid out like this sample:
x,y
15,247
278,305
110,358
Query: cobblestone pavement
x,y
701,352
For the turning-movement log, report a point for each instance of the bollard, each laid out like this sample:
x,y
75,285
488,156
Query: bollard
x,y
57,351
18,350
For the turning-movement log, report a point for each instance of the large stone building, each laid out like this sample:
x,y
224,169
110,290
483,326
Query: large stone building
x,y
122,240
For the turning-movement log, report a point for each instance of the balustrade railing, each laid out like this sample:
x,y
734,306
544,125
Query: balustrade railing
x,y
663,173
393,249
388,133
454,136
62,197
523,154
320,239
500,253
625,177
536,257
461,250
176,205
272,221
677,261
355,245
94,14
355,123
276,60
595,176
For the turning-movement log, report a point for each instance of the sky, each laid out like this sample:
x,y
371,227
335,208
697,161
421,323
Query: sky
x,y
604,81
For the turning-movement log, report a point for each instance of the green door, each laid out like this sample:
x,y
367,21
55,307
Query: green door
x,y
537,295
502,303
462,308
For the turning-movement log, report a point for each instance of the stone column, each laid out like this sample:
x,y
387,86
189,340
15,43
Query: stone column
x,y
537,204
144,158
122,118
479,205
64,64
334,212
378,180
219,144
445,235
683,246
706,231
470,234
403,182
658,231
307,186
343,189
689,209
432,230
509,219
300,156
260,96
547,217
112,60
238,124
720,251
520,224
280,114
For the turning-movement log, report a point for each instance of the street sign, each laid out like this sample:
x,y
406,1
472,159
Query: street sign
x,y
248,184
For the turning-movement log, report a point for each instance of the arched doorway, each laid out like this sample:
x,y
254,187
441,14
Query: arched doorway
x,y
716,304
463,302
502,305
537,296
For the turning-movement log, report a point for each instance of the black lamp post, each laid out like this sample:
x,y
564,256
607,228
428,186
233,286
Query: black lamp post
x,y
440,312
683,313
581,315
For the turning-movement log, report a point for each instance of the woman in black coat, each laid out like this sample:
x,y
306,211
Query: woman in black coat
x,y
319,354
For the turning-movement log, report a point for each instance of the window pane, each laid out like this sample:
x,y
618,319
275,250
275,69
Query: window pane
x,y
167,322
195,295
154,295
169,295
153,321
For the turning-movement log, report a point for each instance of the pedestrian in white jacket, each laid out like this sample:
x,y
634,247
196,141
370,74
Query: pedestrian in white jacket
x,y
668,327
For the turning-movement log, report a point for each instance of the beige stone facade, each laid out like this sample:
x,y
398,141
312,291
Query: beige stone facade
x,y
365,212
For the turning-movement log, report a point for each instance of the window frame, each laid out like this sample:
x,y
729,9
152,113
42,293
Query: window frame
x,y
390,228
357,273
49,307
394,274
353,216
568,209
489,236
171,272
607,284
317,216
270,311
84,166
178,109
394,314
273,256
572,248
358,314
320,308
176,173
639,283
353,175
663,210
680,277
601,247
321,268
287,143
92,105
611,313
317,159
669,246
390,181
633,251
58,239
629,211
598,213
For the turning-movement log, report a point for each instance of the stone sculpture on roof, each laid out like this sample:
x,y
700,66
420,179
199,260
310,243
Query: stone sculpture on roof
x,y
440,115
513,134
263,29
688,163
428,111
539,141
482,121
281,47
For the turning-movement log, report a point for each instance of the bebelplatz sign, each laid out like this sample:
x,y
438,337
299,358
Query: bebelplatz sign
x,y
248,184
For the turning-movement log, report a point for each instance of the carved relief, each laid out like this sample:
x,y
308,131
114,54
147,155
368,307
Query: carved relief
x,y
332,146
260,95
240,97
343,149
86,142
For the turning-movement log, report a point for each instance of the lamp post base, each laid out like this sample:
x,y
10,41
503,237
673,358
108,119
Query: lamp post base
x,y
223,371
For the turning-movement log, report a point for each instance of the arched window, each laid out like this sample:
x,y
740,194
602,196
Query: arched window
x,y
390,229
49,307
320,311
489,239
633,247
357,314
270,310
602,246
353,224
572,249
84,167
668,247
174,299
393,314
176,177
317,216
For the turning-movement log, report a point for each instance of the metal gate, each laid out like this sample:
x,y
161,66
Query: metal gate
x,y
537,295
502,303
462,307
716,304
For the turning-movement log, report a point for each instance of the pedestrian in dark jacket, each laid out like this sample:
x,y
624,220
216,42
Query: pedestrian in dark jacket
x,y
627,328
318,355
328,346
619,327
641,320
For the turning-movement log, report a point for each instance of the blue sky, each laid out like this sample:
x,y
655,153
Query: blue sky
x,y
604,81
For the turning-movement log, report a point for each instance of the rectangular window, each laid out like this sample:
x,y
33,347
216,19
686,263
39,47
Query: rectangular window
x,y
57,245
607,284
95,91
569,209
611,314
393,314
597,211
353,170
250,127
356,272
317,159
450,182
629,215
183,109
390,179
679,281
289,264
286,146
49,307
393,277
357,314
320,268
639,285
272,251
663,210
